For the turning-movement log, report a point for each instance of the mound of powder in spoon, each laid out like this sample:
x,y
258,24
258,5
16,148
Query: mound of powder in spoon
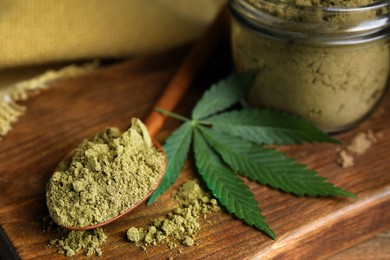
x,y
108,174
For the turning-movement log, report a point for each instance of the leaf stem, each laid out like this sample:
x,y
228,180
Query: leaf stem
x,y
204,122
174,115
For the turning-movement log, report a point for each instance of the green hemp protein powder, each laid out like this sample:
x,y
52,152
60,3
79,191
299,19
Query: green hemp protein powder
x,y
180,226
72,242
107,174
324,60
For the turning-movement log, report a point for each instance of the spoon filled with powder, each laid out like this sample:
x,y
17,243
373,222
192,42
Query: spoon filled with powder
x,y
111,173
108,175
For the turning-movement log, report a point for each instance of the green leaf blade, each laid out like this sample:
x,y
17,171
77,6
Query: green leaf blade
x,y
264,126
227,187
223,94
270,167
176,149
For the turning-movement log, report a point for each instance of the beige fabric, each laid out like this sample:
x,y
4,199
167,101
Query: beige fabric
x,y
35,34
45,31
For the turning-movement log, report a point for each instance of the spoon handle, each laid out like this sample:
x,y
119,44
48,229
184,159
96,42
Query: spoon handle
x,y
187,71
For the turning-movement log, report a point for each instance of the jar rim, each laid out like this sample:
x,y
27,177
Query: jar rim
x,y
334,9
364,24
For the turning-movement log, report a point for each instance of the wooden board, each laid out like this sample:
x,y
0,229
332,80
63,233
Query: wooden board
x,y
58,119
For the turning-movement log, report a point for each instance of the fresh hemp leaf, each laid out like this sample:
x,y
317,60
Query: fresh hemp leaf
x,y
229,92
227,187
268,127
269,167
228,144
176,149
223,95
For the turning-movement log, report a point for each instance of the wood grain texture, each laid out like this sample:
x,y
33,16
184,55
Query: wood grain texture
x,y
375,248
58,119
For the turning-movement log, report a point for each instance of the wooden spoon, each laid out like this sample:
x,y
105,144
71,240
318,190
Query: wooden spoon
x,y
175,90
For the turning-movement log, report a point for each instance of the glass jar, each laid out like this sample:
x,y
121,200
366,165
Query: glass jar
x,y
329,65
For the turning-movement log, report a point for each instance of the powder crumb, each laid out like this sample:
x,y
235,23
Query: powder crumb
x,y
188,241
135,235
361,142
179,226
345,159
358,146
72,242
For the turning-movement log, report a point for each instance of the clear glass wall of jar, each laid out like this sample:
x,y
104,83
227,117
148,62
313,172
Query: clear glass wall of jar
x,y
329,65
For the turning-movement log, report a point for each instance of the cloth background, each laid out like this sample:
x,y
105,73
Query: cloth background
x,y
41,38
46,31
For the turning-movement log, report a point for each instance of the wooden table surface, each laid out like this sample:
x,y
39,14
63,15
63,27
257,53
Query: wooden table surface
x,y
307,228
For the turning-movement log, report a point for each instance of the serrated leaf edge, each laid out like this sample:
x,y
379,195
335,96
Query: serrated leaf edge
x,y
249,215
180,152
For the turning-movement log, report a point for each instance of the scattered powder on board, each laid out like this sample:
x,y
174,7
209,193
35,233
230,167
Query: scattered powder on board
x,y
177,228
72,242
358,146
180,226
107,175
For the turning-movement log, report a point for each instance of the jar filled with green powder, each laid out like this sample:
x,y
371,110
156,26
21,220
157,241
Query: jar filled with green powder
x,y
323,60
